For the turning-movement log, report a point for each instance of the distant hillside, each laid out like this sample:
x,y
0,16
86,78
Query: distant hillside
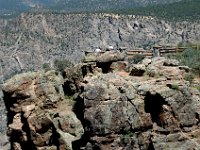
x,y
103,5
183,10
11,8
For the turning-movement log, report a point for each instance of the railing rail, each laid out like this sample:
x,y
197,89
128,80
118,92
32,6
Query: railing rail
x,y
160,50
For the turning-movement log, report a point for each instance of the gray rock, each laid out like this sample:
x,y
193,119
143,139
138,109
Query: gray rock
x,y
101,110
137,70
158,61
175,141
164,116
90,58
146,61
171,62
110,56
4,141
119,66
152,71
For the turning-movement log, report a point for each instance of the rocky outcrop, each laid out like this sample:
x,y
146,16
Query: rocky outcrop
x,y
138,70
120,108
141,112
39,116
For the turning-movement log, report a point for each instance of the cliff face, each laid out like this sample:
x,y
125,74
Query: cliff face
x,y
104,103
32,40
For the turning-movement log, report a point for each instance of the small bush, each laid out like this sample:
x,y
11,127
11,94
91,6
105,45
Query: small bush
x,y
189,57
198,88
175,87
189,77
60,65
184,44
126,136
46,66
136,59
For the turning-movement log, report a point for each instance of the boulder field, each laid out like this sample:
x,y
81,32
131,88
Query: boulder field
x,y
104,103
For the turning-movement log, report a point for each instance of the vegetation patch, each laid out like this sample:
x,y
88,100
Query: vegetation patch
x,y
46,67
60,65
183,10
189,57
126,136
189,77
136,58
198,88
174,87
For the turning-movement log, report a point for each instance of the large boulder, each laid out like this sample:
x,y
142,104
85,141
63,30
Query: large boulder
x,y
146,61
119,66
90,58
110,56
137,70
165,67
171,62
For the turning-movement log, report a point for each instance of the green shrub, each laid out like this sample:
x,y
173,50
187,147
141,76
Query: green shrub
x,y
184,44
46,66
189,57
189,77
60,65
126,136
136,58
175,87
198,88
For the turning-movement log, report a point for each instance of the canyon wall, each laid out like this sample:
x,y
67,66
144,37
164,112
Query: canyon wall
x,y
32,40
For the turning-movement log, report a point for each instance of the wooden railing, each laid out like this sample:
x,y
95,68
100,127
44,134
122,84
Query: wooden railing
x,y
172,50
148,53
